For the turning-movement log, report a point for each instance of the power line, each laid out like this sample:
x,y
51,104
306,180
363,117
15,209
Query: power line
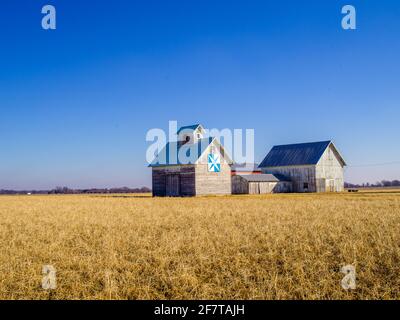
x,y
376,164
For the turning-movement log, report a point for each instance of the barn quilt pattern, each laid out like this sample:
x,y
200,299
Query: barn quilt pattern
x,y
214,163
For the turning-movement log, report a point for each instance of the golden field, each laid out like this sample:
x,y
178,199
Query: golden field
x,y
238,247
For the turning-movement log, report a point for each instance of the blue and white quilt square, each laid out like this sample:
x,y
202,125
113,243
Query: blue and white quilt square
x,y
214,163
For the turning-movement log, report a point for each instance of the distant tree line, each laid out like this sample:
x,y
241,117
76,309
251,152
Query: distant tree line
x,y
66,190
381,184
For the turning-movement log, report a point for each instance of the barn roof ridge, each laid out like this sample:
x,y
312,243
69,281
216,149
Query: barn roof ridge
x,y
303,143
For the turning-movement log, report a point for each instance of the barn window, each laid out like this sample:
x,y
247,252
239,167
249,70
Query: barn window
x,y
187,138
305,186
198,136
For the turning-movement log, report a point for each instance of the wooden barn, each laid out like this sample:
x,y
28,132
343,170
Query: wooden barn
x,y
312,167
260,184
193,165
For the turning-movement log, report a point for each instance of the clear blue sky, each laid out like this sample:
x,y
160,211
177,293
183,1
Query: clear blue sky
x,y
76,103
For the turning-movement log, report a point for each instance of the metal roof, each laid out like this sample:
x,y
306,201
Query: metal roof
x,y
263,177
191,127
295,154
190,152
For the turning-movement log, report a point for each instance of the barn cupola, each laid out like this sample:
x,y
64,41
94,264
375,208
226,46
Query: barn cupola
x,y
190,134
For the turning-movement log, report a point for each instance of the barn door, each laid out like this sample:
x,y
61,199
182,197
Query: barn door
x,y
264,187
254,188
172,187
330,185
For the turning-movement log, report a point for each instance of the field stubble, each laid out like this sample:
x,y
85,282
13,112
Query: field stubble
x,y
238,247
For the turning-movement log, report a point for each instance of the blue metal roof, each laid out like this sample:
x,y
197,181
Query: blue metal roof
x,y
168,156
191,127
295,154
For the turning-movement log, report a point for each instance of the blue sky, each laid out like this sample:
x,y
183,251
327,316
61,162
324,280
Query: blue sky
x,y
76,102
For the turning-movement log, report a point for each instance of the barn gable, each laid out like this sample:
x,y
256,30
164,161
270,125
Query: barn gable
x,y
331,149
214,147
191,134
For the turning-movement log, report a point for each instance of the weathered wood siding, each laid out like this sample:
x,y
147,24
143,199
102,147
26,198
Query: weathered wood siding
x,y
283,187
212,183
239,185
158,182
330,172
242,186
186,180
299,175
209,183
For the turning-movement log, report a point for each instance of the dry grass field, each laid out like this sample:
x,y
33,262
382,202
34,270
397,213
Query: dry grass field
x,y
239,247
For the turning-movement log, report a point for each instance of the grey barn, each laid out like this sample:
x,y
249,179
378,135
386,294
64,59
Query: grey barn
x,y
311,167
191,166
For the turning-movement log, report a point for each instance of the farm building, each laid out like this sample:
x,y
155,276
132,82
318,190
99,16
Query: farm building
x,y
260,184
312,167
198,165
192,165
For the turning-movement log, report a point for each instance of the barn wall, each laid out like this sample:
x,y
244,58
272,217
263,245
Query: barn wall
x,y
158,182
213,183
209,183
242,186
254,187
283,187
186,180
269,187
330,172
239,185
298,176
